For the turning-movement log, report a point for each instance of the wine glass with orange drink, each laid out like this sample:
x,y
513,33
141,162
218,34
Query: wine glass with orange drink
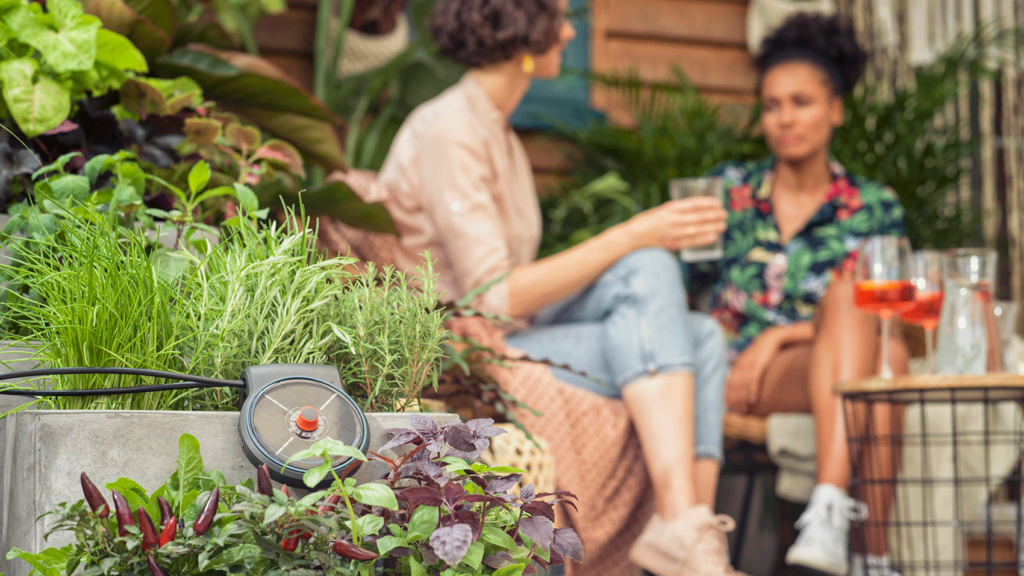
x,y
883,284
926,274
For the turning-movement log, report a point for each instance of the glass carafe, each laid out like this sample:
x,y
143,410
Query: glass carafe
x,y
967,342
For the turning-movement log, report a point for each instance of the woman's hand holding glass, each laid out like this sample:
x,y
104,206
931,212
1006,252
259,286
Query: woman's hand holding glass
x,y
678,224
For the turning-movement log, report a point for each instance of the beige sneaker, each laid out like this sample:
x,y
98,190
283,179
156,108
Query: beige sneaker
x,y
692,545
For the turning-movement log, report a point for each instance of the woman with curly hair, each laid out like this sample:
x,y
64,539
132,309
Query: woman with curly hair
x,y
613,308
784,292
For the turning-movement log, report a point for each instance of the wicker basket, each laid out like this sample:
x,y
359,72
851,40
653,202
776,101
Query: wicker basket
x,y
514,449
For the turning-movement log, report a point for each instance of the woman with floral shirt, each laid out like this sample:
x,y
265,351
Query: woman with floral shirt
x,y
784,289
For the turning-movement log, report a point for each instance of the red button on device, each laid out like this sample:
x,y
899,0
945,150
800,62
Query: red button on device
x,y
308,419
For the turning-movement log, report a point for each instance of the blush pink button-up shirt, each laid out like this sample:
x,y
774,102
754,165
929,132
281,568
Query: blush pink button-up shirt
x,y
461,187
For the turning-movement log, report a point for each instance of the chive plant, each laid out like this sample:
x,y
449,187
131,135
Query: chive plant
x,y
102,296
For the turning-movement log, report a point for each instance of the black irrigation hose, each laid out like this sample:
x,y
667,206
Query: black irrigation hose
x,y
187,381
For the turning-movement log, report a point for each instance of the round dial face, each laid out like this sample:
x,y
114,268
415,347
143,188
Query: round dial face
x,y
283,419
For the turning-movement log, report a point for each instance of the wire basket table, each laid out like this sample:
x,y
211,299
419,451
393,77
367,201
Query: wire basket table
x,y
936,459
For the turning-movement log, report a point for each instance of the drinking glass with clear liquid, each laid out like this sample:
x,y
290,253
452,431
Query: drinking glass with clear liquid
x,y
680,188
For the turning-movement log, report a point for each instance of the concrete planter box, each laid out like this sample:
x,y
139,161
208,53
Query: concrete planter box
x,y
45,452
12,358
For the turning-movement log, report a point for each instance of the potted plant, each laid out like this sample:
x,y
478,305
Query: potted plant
x,y
435,509
95,291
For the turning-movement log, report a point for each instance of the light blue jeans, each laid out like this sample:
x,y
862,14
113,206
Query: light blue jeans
x,y
634,322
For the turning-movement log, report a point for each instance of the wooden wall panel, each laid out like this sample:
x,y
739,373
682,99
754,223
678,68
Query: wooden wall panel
x,y
712,68
287,39
692,21
705,39
289,33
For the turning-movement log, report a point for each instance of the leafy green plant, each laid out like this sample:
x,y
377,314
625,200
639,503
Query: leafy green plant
x,y
52,57
907,140
243,83
249,294
436,510
393,334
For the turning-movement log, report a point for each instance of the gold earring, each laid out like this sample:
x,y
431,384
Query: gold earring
x,y
528,64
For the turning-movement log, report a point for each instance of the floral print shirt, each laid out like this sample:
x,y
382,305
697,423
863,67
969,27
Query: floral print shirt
x,y
761,283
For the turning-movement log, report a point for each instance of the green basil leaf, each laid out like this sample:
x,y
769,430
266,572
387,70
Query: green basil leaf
x,y
423,523
376,495
199,176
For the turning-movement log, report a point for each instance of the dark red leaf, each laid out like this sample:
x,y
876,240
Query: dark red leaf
x,y
453,492
460,437
566,542
499,560
527,493
424,426
530,570
469,518
569,503
451,543
559,493
540,508
556,559
429,556
420,496
399,440
539,529
484,427
503,484
383,459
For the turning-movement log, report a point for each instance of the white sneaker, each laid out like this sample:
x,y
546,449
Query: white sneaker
x,y
872,565
822,545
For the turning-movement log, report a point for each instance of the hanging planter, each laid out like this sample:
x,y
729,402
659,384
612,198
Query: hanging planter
x,y
362,51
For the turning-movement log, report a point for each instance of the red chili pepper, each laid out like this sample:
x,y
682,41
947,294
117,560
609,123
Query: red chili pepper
x,y
263,484
154,568
284,488
170,529
150,539
332,503
123,512
349,550
96,501
165,510
202,523
290,544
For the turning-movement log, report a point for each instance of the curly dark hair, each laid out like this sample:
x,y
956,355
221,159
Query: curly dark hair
x,y
825,41
476,33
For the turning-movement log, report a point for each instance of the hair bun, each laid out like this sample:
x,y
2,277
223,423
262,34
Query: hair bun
x,y
826,37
